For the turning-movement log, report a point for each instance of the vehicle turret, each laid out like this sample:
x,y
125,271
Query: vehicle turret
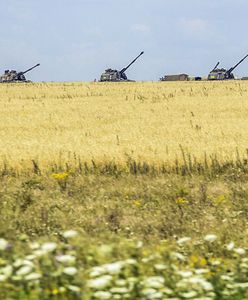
x,y
14,76
223,74
115,75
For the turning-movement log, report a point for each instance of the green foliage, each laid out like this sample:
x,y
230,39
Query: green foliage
x,y
150,236
128,269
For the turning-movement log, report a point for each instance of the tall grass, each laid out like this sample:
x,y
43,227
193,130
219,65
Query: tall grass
x,y
155,123
152,176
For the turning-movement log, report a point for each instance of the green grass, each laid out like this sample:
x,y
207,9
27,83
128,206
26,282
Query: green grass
x,y
136,219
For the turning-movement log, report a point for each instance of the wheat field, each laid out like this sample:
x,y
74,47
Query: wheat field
x,y
90,208
152,122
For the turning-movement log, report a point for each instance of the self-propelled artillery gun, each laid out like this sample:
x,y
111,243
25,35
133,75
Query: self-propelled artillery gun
x,y
117,76
223,74
14,76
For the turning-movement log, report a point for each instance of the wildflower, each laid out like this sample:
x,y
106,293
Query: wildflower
x,y
100,283
113,268
178,256
215,262
189,295
62,289
185,274
70,259
60,176
220,199
239,251
22,262
201,271
230,246
131,261
24,270
155,282
48,247
120,282
167,291
210,238
70,234
244,265
160,267
207,286
55,291
226,278
30,257
3,277
5,272
157,295
105,249
139,244
242,285
70,271
39,252
132,279
181,201
103,295
73,288
32,276
97,271
34,245
183,240
148,291
2,261
137,203
3,244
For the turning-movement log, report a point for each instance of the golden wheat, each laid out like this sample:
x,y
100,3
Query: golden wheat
x,y
153,122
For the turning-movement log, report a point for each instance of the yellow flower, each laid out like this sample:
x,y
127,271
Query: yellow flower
x,y
220,199
55,291
2,261
137,203
197,261
60,176
181,201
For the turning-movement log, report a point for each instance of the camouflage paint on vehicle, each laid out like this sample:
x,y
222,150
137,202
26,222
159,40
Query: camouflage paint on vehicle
x,y
115,75
223,74
14,76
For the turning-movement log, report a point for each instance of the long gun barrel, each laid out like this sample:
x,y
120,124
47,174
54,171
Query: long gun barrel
x,y
22,73
17,76
124,69
216,65
228,72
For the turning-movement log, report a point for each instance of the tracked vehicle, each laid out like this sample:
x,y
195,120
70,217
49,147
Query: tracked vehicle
x,y
223,74
14,76
111,75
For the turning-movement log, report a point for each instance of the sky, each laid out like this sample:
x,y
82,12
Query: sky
x,y
76,40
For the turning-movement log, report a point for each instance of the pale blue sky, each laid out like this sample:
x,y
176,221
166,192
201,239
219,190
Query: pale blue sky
x,y
75,40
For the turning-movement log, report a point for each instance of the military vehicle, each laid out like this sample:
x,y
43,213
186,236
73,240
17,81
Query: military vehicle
x,y
117,76
223,74
177,77
14,76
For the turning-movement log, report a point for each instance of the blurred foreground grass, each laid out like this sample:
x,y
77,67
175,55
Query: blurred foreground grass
x,y
151,236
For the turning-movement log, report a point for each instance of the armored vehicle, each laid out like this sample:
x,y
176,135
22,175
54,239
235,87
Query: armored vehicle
x,y
178,77
14,76
115,75
223,74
